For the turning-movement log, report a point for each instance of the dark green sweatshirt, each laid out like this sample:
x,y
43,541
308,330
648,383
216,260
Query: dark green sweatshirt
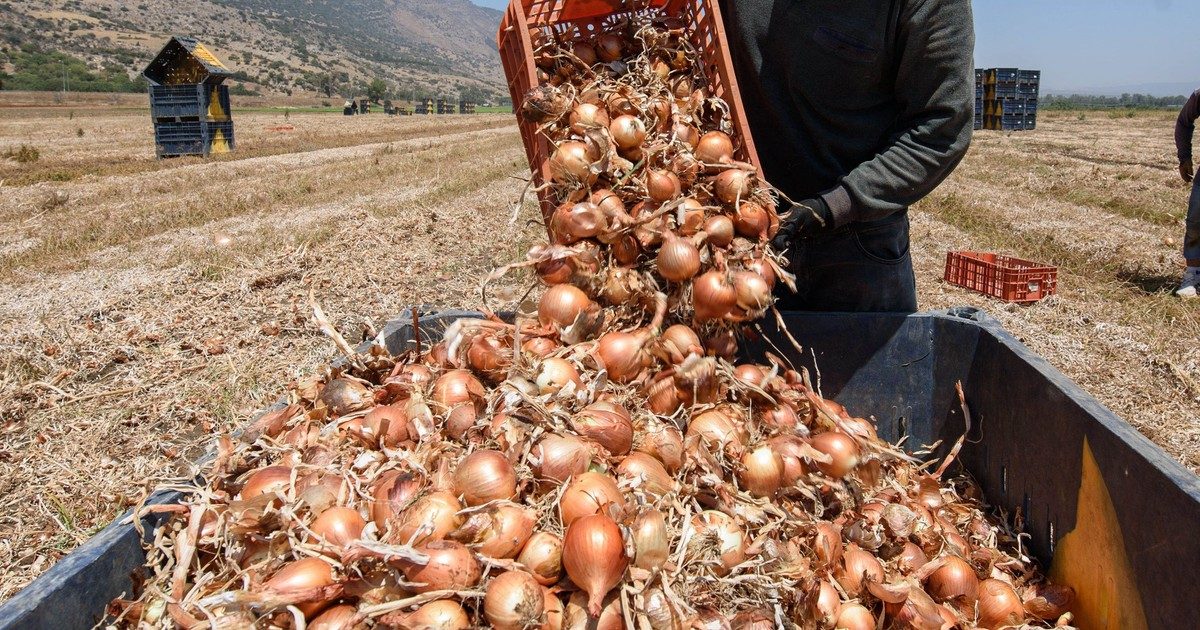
x,y
868,103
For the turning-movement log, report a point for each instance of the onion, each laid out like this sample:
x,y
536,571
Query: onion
x,y
577,617
763,268
485,476
573,222
753,292
611,206
793,451
343,396
513,601
911,558
663,442
451,566
757,619
722,342
662,186
855,617
650,544
1048,601
542,556
659,610
650,474
554,374
713,295
691,217
561,304
717,529
780,417
266,481
343,617
540,347
571,163
498,532
687,134
715,147
554,609
629,132
752,220
762,472
442,614
338,526
955,580
594,557
826,603
388,426
609,47
587,116
392,493
626,249
682,88
662,397
841,448
678,259
589,493
457,387
605,423
433,516
999,606
858,566
302,575
559,457
732,185
679,341
584,52
720,230
718,429
621,355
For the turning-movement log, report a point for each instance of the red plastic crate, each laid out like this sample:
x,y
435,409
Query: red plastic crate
x,y
1008,278
578,18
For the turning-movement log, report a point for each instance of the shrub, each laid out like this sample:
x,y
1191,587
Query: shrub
x,y
23,154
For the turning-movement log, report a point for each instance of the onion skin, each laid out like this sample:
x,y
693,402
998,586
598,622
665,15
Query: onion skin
x,y
594,557
651,547
265,481
731,545
559,457
858,566
542,557
652,476
498,532
485,476
343,617
571,163
762,472
734,185
628,132
513,601
714,147
714,296
720,231
554,374
855,617
678,259
621,355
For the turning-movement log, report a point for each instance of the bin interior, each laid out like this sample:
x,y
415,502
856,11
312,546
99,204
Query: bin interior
x,y
1043,451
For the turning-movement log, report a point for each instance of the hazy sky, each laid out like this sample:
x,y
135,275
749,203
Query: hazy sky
x,y
1085,43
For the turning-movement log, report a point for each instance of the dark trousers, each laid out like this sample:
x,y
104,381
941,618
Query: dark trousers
x,y
861,267
1191,236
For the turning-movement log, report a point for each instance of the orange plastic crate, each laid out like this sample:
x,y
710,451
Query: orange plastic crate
x,y
572,19
1008,278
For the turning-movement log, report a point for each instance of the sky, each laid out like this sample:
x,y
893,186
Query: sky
x,y
1092,44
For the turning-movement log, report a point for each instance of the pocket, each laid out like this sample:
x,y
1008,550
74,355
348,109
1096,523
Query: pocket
x,y
885,244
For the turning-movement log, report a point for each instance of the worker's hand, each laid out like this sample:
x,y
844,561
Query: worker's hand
x,y
807,218
1187,171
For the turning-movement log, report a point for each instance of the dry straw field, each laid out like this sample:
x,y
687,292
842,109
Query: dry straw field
x,y
147,305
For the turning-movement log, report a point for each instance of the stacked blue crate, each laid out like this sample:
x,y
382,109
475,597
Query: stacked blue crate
x,y
1009,98
188,102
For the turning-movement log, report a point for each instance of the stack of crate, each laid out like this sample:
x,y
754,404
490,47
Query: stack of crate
x,y
979,91
466,107
188,102
445,106
424,106
1010,99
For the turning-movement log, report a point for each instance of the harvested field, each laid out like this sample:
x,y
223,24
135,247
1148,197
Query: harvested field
x,y
146,305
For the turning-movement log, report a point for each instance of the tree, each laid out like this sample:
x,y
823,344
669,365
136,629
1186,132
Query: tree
x,y
327,83
376,90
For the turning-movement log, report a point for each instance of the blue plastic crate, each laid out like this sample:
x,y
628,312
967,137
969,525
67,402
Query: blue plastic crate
x,y
179,103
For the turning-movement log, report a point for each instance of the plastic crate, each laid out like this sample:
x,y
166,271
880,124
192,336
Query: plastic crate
x,y
572,19
195,101
174,139
1008,278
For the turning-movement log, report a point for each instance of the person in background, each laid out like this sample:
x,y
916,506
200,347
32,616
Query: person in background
x,y
858,108
1184,129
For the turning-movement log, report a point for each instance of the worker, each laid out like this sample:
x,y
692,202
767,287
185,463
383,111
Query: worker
x,y
1184,129
858,109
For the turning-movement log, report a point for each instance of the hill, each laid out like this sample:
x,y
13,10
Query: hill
x,y
426,47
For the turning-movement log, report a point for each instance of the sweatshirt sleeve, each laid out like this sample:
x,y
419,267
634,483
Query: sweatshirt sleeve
x,y
935,87
1185,127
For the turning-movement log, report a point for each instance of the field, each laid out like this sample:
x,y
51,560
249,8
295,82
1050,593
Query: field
x,y
147,305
